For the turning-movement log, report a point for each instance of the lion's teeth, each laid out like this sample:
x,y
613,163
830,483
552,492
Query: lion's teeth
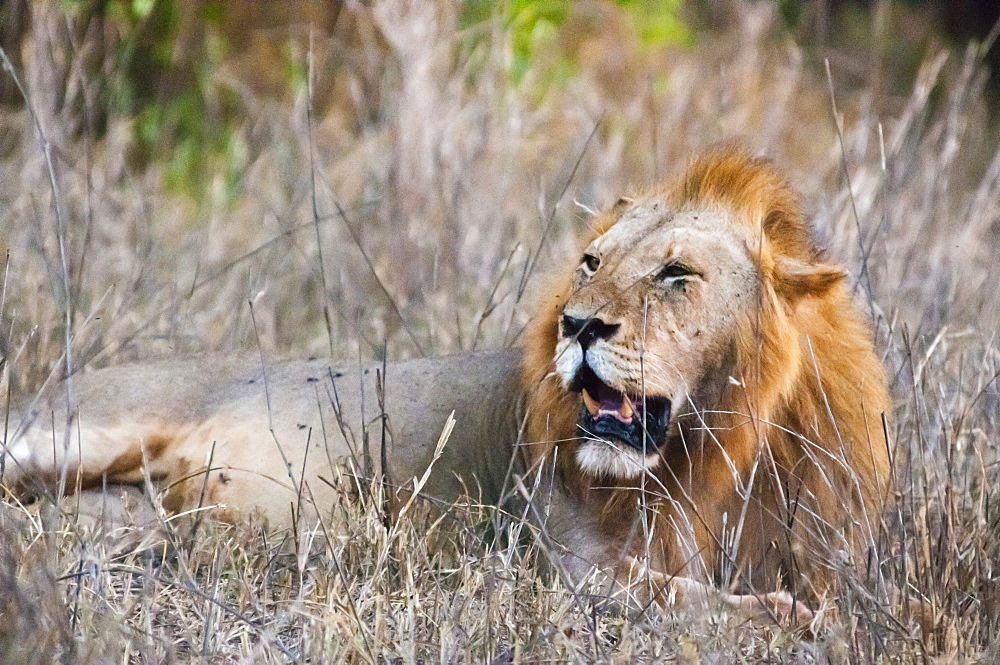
x,y
592,406
626,408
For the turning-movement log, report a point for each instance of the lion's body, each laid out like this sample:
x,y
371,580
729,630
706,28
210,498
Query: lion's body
x,y
732,383
166,419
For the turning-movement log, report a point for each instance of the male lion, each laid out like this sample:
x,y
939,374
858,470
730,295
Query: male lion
x,y
698,407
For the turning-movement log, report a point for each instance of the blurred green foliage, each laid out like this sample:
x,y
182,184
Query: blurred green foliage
x,y
791,11
659,22
162,64
162,78
534,28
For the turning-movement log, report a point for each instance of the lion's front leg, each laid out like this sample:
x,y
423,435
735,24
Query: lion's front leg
x,y
777,606
688,593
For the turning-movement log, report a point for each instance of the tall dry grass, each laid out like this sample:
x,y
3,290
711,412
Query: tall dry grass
x,y
458,188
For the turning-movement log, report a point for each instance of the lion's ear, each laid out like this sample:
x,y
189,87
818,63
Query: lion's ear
x,y
794,279
619,207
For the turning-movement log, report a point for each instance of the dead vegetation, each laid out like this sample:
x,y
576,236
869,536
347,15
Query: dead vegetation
x,y
399,196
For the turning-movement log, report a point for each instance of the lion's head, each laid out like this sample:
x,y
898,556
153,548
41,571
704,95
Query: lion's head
x,y
700,322
649,327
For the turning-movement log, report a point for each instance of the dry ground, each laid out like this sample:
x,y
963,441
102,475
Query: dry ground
x,y
459,173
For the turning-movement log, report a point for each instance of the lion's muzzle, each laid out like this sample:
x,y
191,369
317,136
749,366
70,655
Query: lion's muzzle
x,y
637,421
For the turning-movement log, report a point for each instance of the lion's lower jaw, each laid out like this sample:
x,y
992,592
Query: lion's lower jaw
x,y
604,458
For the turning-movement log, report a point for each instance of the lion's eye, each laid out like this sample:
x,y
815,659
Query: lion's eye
x,y
591,263
673,271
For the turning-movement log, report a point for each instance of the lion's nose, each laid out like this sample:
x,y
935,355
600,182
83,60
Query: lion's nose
x,y
587,330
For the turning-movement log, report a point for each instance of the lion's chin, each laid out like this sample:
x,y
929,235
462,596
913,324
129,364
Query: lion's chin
x,y
601,458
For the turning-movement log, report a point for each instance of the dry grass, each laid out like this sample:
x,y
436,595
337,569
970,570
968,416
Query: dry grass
x,y
450,176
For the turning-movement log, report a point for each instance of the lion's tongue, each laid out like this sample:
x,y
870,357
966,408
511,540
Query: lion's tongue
x,y
608,402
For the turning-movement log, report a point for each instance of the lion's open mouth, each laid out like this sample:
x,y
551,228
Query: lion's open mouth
x,y
637,421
